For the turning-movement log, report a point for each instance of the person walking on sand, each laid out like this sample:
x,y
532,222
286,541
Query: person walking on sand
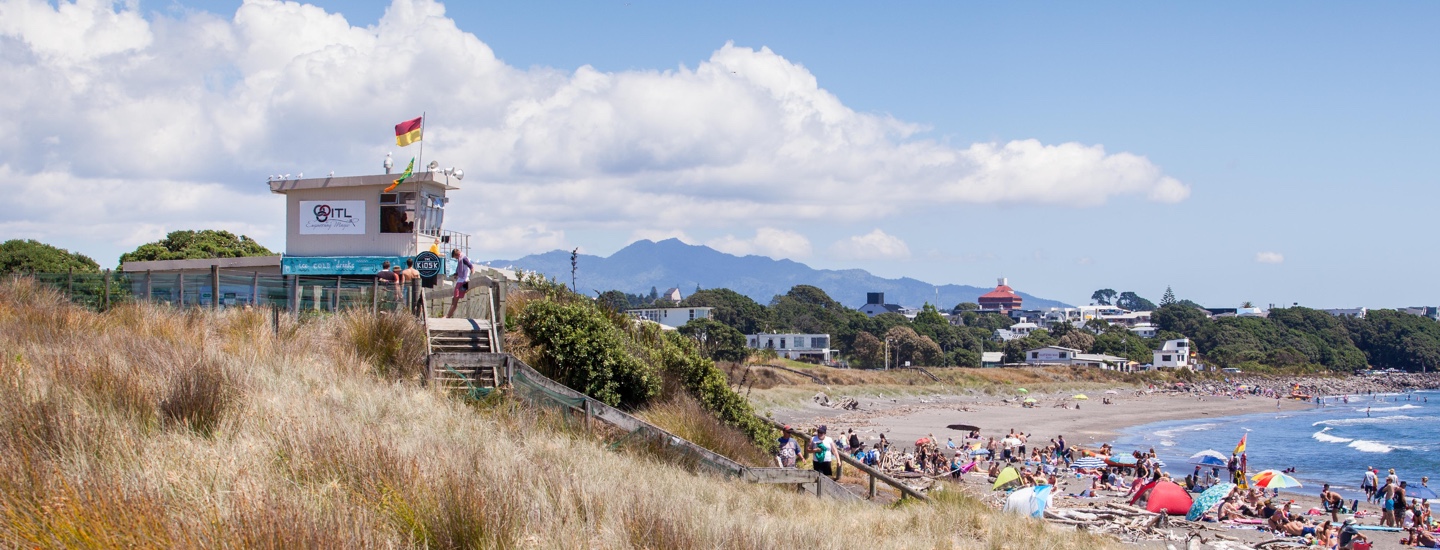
x,y
1368,484
463,267
789,450
823,450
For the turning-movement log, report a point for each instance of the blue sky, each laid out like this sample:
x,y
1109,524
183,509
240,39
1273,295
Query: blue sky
x,y
1274,153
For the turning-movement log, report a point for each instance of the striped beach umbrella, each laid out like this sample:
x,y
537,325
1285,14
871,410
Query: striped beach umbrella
x,y
1274,479
1208,500
1088,462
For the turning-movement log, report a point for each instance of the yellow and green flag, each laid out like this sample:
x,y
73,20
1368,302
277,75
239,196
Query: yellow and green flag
x,y
408,169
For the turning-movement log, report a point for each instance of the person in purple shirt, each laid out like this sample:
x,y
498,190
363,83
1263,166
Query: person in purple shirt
x,y
462,279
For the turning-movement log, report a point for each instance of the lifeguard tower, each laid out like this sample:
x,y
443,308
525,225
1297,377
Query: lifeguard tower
x,y
351,225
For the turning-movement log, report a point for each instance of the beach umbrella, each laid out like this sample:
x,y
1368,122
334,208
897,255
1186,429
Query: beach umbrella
x,y
1421,491
978,452
1023,390
1007,476
1079,396
1208,500
1274,479
962,427
1030,400
1123,459
1013,442
1088,462
1030,501
1209,457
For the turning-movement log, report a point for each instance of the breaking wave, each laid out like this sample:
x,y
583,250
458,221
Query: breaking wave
x,y
1405,407
1172,432
1372,446
1323,437
1368,420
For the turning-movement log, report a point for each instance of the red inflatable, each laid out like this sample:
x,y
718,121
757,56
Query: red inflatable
x,y
1163,495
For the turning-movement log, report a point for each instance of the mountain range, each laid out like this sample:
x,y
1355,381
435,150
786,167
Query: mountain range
x,y
644,264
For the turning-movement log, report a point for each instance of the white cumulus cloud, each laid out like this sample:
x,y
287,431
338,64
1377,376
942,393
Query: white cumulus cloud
x,y
104,93
775,243
875,245
1269,257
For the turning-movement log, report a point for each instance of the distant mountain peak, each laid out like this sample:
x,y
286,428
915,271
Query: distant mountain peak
x,y
671,262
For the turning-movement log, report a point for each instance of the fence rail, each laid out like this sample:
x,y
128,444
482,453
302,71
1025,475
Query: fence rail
x,y
533,386
248,288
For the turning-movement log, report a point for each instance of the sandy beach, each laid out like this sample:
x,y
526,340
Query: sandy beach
x,y
904,420
907,419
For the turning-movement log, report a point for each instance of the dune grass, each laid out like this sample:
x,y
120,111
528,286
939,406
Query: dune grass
x,y
151,428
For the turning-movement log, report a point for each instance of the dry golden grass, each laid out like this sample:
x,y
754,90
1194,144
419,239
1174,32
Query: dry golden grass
x,y
150,428
770,388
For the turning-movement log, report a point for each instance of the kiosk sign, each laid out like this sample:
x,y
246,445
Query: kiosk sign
x,y
332,217
428,264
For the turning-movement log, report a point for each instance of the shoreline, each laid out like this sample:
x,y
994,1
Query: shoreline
x,y
905,419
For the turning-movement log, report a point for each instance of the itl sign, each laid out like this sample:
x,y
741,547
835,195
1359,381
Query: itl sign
x,y
332,217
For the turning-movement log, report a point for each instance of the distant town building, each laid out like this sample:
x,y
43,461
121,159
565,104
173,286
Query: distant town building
x,y
875,305
1423,311
1002,299
672,295
670,317
992,358
1016,331
793,346
1353,313
1146,330
1175,354
1060,355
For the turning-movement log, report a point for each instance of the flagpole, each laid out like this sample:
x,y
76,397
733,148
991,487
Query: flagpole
x,y
422,139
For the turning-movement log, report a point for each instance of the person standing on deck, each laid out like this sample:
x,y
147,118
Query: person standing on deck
x,y
462,279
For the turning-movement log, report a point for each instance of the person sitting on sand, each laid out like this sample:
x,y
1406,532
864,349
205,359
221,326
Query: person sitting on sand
x,y
1229,510
1349,535
1281,522
1420,537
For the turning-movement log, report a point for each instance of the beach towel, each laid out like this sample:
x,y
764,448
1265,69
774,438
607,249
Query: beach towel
x,y
1377,528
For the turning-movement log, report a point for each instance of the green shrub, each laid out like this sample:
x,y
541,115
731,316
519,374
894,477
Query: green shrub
x,y
582,348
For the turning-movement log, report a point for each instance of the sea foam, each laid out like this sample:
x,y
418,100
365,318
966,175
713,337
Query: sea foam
x,y
1323,437
1368,420
1405,407
1371,446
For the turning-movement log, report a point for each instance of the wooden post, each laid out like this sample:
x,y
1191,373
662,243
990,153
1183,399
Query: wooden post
x,y
255,289
499,319
872,487
107,290
215,287
587,413
275,330
70,284
335,300
180,289
149,294
375,296
819,484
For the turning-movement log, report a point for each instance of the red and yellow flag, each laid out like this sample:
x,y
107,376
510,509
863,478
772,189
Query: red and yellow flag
x,y
409,131
1241,447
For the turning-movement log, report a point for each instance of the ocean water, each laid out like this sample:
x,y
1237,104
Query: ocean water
x,y
1330,444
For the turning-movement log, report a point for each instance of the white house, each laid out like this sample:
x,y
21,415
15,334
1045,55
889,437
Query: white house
x,y
1176,354
1059,355
1016,331
1051,355
671,317
1146,330
793,346
992,358
1355,312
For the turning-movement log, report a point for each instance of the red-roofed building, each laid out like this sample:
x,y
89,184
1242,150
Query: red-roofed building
x,y
1002,299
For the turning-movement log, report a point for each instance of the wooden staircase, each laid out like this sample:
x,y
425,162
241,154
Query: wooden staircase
x,y
461,351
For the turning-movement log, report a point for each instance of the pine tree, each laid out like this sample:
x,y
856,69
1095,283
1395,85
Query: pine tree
x,y
1168,298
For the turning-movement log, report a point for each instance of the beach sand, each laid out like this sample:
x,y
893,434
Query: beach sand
x,y
904,420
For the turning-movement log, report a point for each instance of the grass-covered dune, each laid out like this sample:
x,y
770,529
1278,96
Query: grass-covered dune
x,y
147,427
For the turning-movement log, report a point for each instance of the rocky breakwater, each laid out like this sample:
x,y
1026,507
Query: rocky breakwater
x,y
1280,386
